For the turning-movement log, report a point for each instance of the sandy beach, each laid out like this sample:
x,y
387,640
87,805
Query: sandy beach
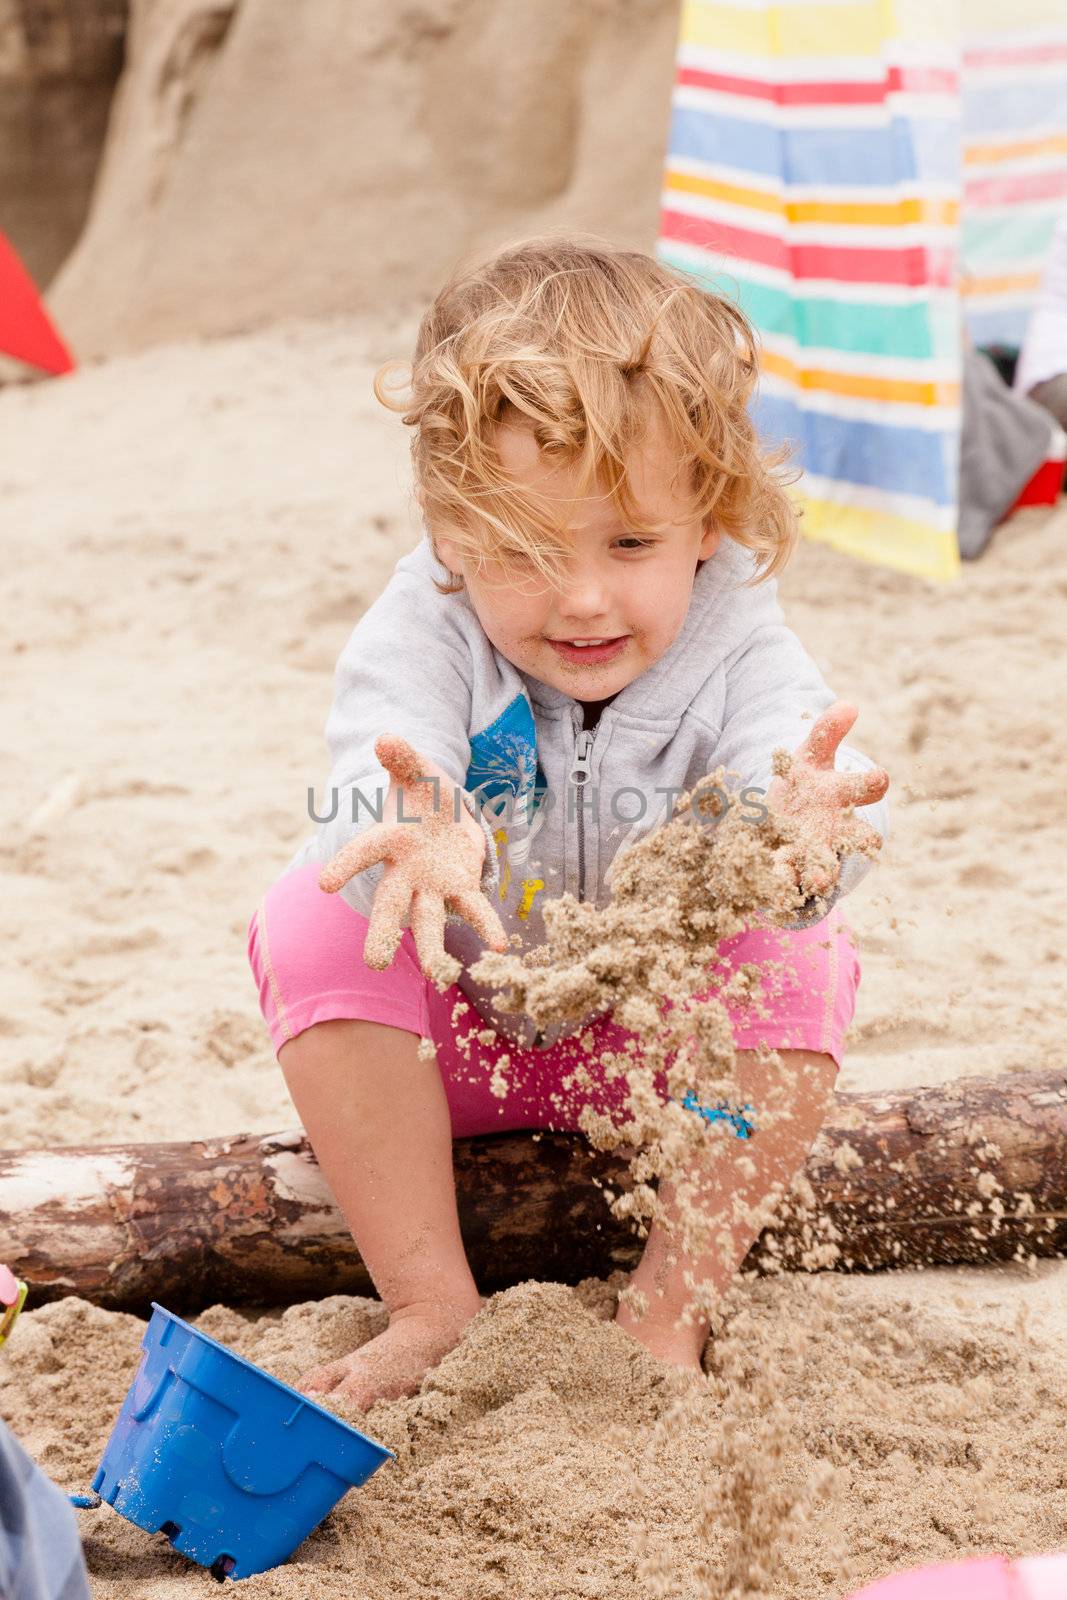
x,y
192,533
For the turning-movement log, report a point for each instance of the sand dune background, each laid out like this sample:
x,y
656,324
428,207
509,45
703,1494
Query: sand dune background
x,y
254,170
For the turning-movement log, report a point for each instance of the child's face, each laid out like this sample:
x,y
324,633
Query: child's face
x,y
625,594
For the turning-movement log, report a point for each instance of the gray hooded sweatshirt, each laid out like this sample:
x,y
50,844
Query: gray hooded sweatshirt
x,y
557,802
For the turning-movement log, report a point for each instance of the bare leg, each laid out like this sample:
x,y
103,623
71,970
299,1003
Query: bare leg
x,y
799,1091
378,1121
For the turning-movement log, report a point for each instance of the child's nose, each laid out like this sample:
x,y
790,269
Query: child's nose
x,y
583,596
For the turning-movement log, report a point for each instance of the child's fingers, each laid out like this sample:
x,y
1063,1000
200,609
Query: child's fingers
x,y
474,908
861,788
819,876
428,928
388,914
402,762
860,836
829,729
366,850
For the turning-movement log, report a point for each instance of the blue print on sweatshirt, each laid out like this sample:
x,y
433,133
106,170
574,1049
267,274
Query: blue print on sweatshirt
x,y
504,755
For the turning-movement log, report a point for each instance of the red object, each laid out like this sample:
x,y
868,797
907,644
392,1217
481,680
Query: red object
x,y
1013,190
26,330
1046,485
913,265
828,93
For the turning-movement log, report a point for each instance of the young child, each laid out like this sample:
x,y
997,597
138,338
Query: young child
x,y
590,625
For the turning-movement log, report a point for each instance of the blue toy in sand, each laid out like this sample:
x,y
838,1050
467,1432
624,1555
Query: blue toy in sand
x,y
233,1466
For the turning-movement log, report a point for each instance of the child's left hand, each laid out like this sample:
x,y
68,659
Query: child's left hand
x,y
819,799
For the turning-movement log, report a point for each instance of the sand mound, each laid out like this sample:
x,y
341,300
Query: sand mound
x,y
548,1456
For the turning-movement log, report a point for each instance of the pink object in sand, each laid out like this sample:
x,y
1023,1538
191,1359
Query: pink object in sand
x,y
9,1289
974,1580
1035,1578
1041,1577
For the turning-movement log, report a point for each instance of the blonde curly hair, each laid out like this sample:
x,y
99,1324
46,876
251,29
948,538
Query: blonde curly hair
x,y
578,339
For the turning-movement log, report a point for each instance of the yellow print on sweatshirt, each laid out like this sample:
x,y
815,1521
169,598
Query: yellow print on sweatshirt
x,y
531,887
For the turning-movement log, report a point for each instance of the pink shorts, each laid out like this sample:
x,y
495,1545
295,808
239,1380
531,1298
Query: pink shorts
x,y
306,951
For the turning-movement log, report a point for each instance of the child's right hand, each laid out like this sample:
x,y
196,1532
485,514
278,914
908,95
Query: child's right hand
x,y
433,864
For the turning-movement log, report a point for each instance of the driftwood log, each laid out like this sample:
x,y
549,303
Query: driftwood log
x,y
972,1171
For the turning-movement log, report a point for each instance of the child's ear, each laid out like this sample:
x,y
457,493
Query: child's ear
x,y
447,553
709,542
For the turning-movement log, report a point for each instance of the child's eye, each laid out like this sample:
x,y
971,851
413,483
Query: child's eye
x,y
632,542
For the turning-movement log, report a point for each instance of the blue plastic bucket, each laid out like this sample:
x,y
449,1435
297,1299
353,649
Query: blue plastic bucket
x,y
233,1466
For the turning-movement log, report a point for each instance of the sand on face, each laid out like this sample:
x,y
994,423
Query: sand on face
x,y
193,533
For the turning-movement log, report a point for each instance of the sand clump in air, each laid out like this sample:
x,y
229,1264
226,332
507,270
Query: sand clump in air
x,y
676,895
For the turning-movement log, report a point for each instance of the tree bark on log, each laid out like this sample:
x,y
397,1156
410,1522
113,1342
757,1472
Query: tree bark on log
x,y
973,1171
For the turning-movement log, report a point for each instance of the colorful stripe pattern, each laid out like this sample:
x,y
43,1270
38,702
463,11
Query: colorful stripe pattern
x,y
1014,107
814,175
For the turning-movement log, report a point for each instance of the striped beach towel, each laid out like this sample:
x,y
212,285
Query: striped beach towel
x,y
1014,111
822,169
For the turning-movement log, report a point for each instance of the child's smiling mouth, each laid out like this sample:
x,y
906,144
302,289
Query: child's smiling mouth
x,y
591,651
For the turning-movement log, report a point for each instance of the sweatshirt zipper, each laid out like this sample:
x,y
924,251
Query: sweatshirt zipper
x,y
581,771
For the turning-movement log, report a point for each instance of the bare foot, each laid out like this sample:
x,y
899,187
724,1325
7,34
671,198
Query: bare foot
x,y
396,1362
678,1346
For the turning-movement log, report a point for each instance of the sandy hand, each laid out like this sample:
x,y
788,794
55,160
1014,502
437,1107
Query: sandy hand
x,y
820,799
433,865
